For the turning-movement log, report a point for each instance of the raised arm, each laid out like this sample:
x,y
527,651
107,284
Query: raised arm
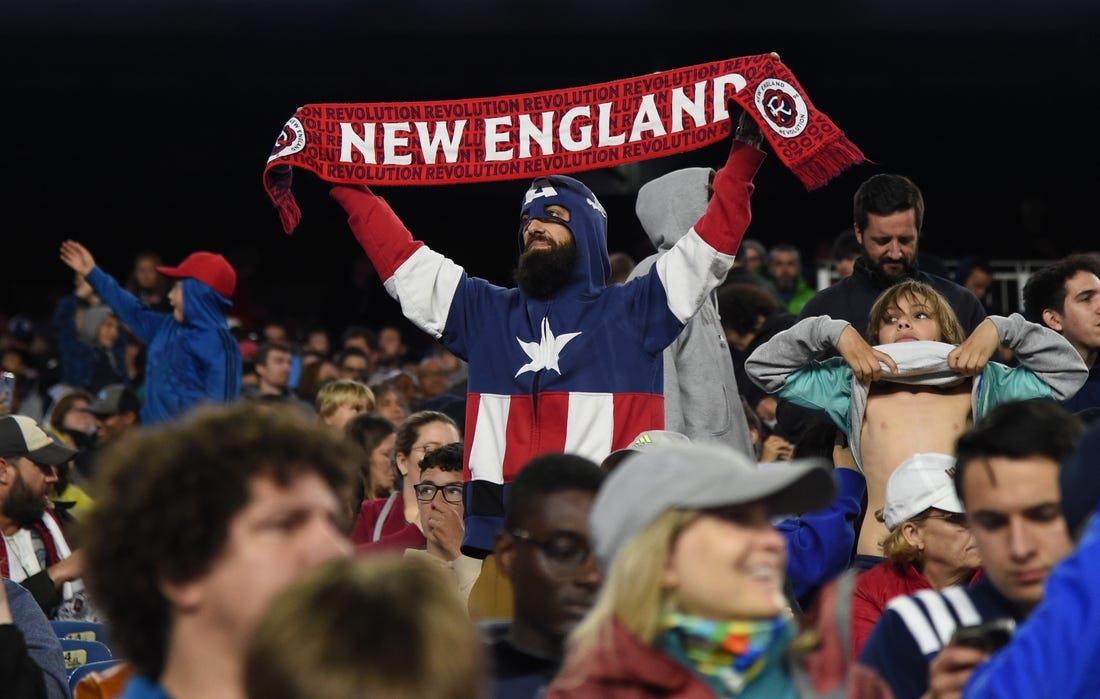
x,y
1040,350
142,320
423,281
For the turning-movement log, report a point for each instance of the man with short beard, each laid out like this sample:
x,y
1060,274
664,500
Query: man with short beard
x,y
35,552
563,362
888,212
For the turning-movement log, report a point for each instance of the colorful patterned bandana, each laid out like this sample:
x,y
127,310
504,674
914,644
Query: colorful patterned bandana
x,y
727,654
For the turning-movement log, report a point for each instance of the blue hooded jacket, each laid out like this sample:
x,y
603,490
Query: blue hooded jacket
x,y
187,363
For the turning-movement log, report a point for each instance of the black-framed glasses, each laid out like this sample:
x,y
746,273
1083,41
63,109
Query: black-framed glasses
x,y
956,518
566,551
425,492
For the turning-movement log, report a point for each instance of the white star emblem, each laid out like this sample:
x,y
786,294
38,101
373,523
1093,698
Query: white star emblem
x,y
544,353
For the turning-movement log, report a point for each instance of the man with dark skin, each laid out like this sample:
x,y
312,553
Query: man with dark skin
x,y
544,552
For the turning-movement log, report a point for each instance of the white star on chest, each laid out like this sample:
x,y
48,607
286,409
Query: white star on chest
x,y
544,354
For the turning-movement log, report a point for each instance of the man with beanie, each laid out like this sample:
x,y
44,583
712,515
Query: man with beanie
x,y
563,362
192,358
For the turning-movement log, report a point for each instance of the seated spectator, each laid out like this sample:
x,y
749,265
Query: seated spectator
x,y
846,250
341,400
929,546
545,553
148,284
751,317
394,522
271,363
76,426
313,376
36,553
31,660
785,271
692,602
199,524
377,627
439,495
89,341
366,341
916,391
975,274
353,364
434,382
317,342
376,436
389,403
116,410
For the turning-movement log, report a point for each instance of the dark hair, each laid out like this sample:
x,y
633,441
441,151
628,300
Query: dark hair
x,y
367,431
1046,288
883,195
968,264
784,247
545,475
309,381
354,331
166,498
1016,430
64,405
741,305
350,352
447,458
260,356
845,245
409,431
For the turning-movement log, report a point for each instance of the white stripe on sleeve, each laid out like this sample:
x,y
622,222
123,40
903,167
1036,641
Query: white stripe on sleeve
x,y
917,623
425,285
689,272
938,613
962,604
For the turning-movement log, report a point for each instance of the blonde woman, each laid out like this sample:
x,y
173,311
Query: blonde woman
x,y
692,603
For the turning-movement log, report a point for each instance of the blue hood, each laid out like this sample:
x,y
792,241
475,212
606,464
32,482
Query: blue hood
x,y
202,306
587,222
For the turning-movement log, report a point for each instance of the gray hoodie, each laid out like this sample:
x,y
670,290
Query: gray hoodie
x,y
701,396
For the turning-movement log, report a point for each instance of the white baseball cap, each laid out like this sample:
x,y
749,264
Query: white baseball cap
x,y
918,483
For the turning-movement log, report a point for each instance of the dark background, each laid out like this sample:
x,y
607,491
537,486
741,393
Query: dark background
x,y
145,125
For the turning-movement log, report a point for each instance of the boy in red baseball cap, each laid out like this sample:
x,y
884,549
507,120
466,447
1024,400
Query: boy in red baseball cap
x,y
192,358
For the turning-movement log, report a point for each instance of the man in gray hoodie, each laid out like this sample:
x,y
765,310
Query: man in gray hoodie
x,y
701,396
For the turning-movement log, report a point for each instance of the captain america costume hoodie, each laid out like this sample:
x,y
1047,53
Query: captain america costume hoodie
x,y
580,371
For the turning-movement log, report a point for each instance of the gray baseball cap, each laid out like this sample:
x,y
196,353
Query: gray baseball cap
x,y
697,477
645,440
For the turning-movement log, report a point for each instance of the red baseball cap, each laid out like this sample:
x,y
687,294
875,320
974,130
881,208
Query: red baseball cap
x,y
207,267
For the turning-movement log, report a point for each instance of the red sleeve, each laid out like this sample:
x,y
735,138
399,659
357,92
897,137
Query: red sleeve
x,y
364,522
380,233
865,613
728,214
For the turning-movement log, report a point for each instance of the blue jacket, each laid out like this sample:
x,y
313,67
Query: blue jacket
x,y
83,364
141,688
819,544
1056,652
39,638
187,363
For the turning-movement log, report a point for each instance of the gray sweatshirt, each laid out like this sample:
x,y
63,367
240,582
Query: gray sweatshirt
x,y
701,396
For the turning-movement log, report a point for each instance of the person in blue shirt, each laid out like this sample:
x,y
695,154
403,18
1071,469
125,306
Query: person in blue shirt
x,y
192,357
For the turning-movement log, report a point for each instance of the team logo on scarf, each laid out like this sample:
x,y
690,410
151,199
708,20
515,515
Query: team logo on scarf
x,y
782,107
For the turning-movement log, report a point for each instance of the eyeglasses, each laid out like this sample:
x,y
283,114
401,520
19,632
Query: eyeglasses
x,y
565,551
956,518
425,492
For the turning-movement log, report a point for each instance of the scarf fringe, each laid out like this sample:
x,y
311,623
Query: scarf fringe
x,y
827,162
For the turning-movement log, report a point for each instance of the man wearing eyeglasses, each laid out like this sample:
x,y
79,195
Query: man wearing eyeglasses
x,y
439,497
544,552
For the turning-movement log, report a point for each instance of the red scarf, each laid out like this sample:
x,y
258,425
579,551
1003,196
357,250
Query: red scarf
x,y
560,131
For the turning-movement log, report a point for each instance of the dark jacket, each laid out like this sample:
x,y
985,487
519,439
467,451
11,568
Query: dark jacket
x,y
851,298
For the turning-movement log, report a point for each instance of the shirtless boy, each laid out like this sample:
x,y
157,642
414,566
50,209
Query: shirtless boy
x,y
918,389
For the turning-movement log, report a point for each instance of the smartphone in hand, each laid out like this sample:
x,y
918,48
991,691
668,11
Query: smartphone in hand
x,y
7,388
989,636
